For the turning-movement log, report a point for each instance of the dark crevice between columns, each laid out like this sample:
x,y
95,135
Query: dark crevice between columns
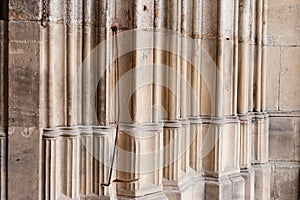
x,y
4,84
4,10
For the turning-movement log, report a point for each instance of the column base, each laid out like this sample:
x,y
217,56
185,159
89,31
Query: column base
x,y
262,181
154,196
249,177
175,182
91,197
229,187
198,186
183,191
238,186
111,194
218,188
139,160
142,191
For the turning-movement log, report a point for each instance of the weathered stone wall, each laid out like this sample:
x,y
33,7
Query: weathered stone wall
x,y
283,56
283,97
23,72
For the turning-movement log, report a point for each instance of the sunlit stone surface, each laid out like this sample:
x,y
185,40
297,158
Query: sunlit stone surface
x,y
205,94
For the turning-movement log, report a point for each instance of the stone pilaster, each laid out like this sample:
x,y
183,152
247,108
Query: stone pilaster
x,y
77,162
101,147
185,148
196,145
172,158
69,160
51,171
61,147
176,185
86,160
246,154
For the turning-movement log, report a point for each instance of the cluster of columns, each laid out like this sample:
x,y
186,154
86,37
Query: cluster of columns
x,y
211,144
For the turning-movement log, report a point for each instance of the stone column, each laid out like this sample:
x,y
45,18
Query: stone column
x,y
56,65
186,31
221,128
243,93
194,79
60,50
159,60
196,157
71,69
260,146
243,76
140,143
245,155
176,131
260,157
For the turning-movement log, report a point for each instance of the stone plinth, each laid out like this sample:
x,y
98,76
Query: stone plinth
x,y
139,160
